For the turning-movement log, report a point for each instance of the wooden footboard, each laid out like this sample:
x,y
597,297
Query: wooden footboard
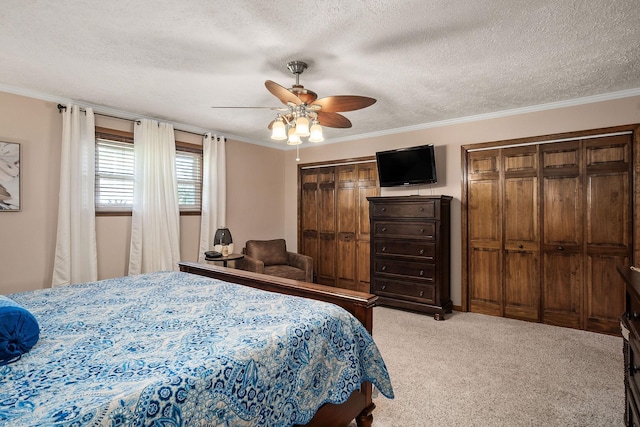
x,y
360,304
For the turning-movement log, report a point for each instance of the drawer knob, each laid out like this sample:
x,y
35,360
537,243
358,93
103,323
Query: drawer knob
x,y
383,209
421,293
560,248
421,251
384,268
634,369
384,287
422,272
520,246
635,315
384,229
421,209
422,230
384,248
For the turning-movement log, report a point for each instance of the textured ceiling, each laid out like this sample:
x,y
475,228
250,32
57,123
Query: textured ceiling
x,y
424,61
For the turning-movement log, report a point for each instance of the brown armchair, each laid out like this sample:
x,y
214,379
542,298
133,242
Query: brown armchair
x,y
271,257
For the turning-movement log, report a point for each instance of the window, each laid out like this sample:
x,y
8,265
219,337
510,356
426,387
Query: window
x,y
115,174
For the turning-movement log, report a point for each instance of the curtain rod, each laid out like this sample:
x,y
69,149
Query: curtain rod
x,y
64,107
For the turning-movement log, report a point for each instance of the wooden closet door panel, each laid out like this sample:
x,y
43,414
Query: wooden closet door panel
x,y
521,233
607,229
484,220
484,231
562,289
309,242
367,187
327,246
562,237
346,226
521,227
562,213
604,293
522,285
485,290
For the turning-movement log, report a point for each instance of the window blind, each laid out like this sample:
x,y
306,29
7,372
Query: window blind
x,y
115,175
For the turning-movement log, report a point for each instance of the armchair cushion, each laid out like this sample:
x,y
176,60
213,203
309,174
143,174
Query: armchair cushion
x,y
270,252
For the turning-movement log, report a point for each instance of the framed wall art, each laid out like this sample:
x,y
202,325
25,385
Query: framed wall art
x,y
9,177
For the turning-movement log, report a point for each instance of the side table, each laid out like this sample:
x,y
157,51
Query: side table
x,y
225,259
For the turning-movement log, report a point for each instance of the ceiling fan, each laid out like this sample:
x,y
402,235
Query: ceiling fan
x,y
304,114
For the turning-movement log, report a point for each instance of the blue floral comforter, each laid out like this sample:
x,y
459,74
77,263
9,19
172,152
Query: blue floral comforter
x,y
175,349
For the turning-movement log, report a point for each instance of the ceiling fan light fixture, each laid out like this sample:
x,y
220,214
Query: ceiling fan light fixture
x,y
316,133
279,130
293,138
302,126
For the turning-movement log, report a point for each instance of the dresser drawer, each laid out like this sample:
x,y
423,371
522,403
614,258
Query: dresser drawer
x,y
419,292
426,209
414,270
633,369
421,230
417,249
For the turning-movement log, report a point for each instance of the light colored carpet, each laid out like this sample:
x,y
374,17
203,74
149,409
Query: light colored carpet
x,y
477,370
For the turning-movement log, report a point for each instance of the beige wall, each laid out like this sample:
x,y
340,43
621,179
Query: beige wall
x,y
27,238
255,193
448,140
262,182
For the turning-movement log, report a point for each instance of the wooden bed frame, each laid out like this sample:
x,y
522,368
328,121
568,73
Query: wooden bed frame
x,y
360,304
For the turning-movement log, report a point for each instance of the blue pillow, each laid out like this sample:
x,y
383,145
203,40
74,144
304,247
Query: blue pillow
x,y
19,330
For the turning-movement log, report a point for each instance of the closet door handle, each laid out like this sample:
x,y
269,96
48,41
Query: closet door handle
x,y
520,246
560,248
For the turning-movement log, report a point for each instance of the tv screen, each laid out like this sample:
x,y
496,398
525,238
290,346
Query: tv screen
x,y
407,166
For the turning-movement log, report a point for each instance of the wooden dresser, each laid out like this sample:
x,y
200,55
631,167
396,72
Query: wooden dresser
x,y
410,252
630,325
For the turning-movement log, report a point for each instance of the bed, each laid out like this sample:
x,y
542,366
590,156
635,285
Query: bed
x,y
205,346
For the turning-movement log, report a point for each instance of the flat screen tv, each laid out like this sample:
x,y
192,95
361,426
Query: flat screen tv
x,y
407,166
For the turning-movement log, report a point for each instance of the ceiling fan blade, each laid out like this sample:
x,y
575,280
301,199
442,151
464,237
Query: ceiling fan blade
x,y
263,108
282,93
339,103
333,120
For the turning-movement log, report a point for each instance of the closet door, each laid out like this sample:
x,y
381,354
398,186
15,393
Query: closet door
x,y
562,236
484,232
333,225
346,236
367,187
521,233
326,265
607,229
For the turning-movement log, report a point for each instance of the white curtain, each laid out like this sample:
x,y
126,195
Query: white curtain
x,y
214,191
155,221
76,259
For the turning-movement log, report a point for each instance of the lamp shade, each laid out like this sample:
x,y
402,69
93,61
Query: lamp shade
x,y
316,133
222,236
222,241
293,138
302,126
278,130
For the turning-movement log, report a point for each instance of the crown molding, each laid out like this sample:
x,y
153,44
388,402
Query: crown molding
x,y
101,109
495,115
